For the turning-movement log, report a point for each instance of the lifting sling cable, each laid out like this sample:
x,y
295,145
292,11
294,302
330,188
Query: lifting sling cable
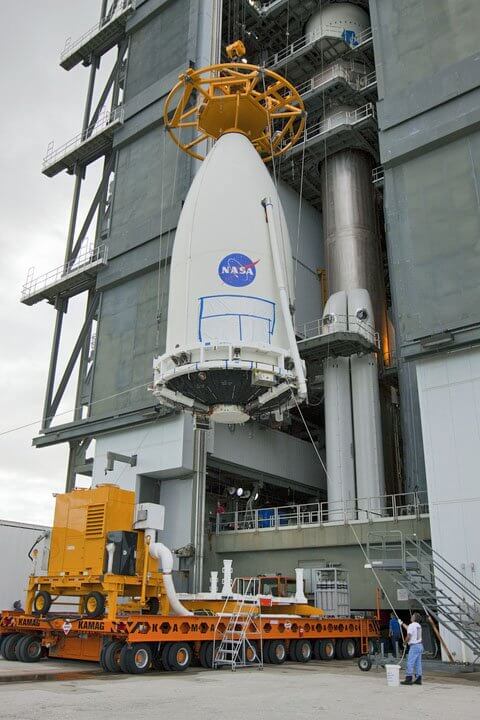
x,y
368,562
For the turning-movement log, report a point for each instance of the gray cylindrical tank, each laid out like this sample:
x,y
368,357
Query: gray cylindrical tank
x,y
352,249
334,19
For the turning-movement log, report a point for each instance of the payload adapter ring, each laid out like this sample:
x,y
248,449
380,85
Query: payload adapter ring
x,y
235,97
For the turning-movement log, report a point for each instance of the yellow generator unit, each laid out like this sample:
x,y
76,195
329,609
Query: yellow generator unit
x,y
99,553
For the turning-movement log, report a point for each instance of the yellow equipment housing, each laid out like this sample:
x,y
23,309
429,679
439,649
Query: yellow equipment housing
x,y
83,519
85,522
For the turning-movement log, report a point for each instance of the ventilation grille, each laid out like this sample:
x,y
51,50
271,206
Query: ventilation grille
x,y
95,521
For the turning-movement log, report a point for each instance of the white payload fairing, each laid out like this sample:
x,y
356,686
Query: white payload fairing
x,y
230,348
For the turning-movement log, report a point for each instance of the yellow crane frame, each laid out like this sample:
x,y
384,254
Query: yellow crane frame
x,y
235,97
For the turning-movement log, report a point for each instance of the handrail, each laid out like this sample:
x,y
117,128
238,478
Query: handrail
x,y
378,174
348,71
334,323
105,119
383,507
72,45
456,578
89,256
304,41
343,117
435,553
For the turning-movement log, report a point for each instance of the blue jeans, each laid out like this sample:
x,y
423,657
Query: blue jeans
x,y
414,660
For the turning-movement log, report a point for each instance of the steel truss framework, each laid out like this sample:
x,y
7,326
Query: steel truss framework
x,y
71,158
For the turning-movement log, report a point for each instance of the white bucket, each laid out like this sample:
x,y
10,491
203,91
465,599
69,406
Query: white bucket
x,y
393,675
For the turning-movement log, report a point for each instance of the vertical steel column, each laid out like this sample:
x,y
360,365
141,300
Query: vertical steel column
x,y
198,509
79,176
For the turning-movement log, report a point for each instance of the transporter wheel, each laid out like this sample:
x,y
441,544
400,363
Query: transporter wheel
x,y
373,646
251,653
94,604
179,656
349,648
325,649
10,645
42,602
292,651
136,659
111,656
101,659
277,652
157,656
266,651
303,651
2,640
29,649
206,654
164,653
364,663
346,649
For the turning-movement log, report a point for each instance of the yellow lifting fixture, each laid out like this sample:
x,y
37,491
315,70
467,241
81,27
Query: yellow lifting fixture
x,y
235,97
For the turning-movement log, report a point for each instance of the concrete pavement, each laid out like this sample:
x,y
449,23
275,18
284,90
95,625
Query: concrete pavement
x,y
290,691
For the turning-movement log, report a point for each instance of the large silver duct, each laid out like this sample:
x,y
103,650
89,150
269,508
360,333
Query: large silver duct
x,y
350,229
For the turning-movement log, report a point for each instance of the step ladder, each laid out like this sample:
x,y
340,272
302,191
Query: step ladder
x,y
231,645
442,590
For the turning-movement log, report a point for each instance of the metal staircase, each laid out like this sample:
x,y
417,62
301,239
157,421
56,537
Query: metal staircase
x,y
231,646
441,590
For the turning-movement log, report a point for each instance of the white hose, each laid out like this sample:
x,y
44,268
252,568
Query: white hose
x,y
284,299
160,552
110,548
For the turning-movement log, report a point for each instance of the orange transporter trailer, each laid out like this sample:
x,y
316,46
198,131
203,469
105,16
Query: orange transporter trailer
x,y
136,643
127,615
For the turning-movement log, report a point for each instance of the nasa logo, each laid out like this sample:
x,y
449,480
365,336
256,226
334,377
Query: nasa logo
x,y
237,270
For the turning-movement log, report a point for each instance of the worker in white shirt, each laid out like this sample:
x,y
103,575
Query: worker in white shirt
x,y
415,650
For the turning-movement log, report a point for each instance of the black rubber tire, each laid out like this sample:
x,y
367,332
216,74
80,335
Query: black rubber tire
x,y
111,656
164,653
2,640
277,652
97,601
326,650
136,659
251,653
292,651
364,663
101,659
179,656
266,651
123,660
44,599
206,654
157,656
10,645
29,649
303,651
346,649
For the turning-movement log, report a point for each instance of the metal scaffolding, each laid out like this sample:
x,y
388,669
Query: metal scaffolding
x,y
83,259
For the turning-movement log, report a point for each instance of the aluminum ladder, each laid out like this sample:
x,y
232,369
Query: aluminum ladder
x,y
442,590
231,646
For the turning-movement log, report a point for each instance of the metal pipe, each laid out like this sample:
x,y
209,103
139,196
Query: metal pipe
x,y
352,246
284,299
52,368
198,510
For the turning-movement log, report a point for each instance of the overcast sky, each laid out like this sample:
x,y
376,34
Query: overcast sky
x,y
40,102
